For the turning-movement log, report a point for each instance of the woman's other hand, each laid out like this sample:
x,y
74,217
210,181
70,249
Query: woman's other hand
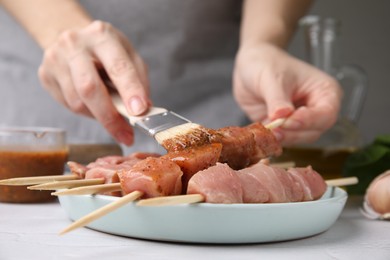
x,y
271,84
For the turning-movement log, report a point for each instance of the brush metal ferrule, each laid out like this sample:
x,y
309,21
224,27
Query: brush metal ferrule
x,y
160,122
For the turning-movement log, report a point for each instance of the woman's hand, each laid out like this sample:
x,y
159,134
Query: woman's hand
x,y
77,66
271,84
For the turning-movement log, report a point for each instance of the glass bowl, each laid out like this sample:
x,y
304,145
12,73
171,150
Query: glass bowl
x,y
30,152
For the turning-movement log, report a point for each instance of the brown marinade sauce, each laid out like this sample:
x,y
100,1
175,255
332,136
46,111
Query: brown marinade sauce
x,y
14,164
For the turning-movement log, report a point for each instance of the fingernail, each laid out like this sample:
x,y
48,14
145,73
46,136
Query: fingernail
x,y
292,124
136,105
124,137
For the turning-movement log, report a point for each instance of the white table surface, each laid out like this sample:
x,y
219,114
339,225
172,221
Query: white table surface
x,y
30,231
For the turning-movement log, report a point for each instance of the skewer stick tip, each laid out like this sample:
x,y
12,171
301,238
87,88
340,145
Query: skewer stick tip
x,y
342,181
102,211
22,181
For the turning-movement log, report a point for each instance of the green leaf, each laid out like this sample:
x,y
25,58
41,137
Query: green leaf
x,y
383,140
368,163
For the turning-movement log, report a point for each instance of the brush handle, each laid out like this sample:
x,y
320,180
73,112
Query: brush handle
x,y
156,120
134,119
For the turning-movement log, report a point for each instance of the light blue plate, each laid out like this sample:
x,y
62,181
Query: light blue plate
x,y
213,223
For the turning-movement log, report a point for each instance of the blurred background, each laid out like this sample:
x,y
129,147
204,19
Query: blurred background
x,y
365,41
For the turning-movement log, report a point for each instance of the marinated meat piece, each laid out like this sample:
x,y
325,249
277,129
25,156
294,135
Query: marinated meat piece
x,y
153,176
108,173
255,191
218,184
107,167
238,147
141,155
77,168
280,185
194,160
313,184
117,159
107,160
266,142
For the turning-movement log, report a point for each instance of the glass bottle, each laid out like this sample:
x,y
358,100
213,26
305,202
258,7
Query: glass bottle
x,y
322,49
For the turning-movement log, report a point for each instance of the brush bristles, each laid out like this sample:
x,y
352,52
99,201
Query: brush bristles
x,y
175,131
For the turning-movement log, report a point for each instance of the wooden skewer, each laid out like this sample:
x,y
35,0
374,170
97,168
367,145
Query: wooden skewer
x,y
342,181
56,185
93,189
276,123
172,200
102,211
190,198
385,216
284,165
38,180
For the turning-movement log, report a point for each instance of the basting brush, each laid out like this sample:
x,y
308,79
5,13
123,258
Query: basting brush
x,y
166,126
172,130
